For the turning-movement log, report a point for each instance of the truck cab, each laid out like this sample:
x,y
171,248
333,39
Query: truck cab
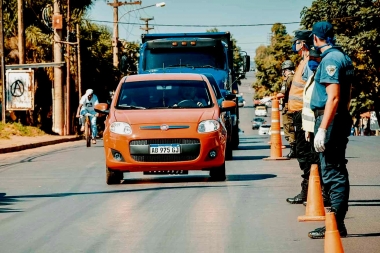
x,y
201,53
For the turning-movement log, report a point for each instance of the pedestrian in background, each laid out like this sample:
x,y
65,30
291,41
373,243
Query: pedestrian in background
x,y
330,101
287,117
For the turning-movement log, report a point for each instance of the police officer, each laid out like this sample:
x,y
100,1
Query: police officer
x,y
305,156
287,117
330,100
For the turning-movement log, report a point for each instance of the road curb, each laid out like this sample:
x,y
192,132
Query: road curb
x,y
38,144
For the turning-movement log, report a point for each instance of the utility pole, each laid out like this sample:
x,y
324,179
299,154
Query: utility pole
x,y
146,28
3,97
68,89
21,32
116,4
58,105
79,64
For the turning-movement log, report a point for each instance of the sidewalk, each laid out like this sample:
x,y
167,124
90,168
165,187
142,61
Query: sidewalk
x,y
18,143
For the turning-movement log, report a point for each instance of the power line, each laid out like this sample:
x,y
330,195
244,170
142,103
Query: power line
x,y
242,25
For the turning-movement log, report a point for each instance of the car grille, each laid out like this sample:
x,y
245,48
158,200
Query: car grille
x,y
163,158
164,141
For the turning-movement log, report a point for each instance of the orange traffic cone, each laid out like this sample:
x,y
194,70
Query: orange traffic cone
x,y
275,137
315,210
333,243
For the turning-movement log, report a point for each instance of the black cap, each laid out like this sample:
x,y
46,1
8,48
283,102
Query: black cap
x,y
302,35
323,30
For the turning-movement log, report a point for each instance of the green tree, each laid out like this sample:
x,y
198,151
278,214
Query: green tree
x,y
357,31
268,61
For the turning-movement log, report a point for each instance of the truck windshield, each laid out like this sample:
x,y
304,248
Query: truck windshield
x,y
196,57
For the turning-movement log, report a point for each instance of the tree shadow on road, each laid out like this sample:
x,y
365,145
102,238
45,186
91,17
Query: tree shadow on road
x,y
368,202
7,201
248,158
364,235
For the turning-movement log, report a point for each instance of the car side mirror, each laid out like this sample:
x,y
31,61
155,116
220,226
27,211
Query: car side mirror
x,y
102,108
230,96
227,105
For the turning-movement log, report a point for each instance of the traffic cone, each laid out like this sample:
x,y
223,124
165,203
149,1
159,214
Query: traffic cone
x,y
275,137
315,210
333,243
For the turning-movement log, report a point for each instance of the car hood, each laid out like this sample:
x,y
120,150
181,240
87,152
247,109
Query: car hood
x,y
163,116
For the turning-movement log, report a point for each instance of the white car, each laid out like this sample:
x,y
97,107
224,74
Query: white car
x,y
260,111
282,131
264,129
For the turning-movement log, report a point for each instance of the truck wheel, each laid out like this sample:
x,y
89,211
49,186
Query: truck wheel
x,y
113,177
218,173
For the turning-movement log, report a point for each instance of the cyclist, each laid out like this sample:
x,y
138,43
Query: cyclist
x,y
86,105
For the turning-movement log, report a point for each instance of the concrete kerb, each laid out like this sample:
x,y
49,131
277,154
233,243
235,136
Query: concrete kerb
x,y
38,144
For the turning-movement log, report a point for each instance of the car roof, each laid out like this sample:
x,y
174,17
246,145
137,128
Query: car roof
x,y
163,76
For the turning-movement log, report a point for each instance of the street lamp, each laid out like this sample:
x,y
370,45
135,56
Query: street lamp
x,y
116,31
162,4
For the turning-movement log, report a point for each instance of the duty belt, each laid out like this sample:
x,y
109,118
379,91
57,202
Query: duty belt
x,y
319,112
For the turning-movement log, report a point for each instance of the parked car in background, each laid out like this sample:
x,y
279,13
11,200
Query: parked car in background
x,y
257,122
264,129
240,100
261,111
281,131
164,124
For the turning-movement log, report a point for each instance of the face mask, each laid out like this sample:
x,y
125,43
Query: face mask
x,y
313,64
294,48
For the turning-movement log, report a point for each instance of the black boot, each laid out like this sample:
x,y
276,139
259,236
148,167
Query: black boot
x,y
301,197
292,152
319,233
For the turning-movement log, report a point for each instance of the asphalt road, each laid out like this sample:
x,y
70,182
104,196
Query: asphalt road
x,y
54,199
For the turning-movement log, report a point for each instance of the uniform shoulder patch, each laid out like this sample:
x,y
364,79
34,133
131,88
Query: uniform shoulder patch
x,y
331,69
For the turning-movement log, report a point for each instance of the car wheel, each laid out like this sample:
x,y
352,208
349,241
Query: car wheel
x,y
218,173
113,177
235,137
228,152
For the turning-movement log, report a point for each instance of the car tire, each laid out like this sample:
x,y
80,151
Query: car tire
x,y
218,173
228,155
235,137
113,177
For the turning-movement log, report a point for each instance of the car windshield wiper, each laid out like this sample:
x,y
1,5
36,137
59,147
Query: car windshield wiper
x,y
180,65
126,107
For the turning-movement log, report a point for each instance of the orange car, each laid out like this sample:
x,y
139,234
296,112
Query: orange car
x,y
164,124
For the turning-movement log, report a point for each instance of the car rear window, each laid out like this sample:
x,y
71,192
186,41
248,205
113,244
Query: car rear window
x,y
164,94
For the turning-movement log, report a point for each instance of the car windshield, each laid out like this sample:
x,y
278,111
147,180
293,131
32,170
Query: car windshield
x,y
163,94
211,57
258,119
265,126
240,99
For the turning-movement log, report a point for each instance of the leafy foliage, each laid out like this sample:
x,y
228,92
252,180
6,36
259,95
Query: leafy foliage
x,y
357,31
268,61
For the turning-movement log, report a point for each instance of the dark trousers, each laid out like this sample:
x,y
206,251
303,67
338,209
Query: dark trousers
x,y
306,156
333,162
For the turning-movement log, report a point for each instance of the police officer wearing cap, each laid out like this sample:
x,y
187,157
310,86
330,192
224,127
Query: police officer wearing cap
x,y
330,101
305,156
287,118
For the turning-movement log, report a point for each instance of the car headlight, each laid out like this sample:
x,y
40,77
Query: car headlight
x,y
121,128
208,126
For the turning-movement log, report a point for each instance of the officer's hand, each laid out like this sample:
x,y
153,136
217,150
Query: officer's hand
x,y
319,140
78,116
307,136
199,104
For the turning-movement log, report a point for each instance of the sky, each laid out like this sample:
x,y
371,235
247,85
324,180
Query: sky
x,y
205,12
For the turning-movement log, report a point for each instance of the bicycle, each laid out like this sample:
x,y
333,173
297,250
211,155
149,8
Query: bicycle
x,y
87,128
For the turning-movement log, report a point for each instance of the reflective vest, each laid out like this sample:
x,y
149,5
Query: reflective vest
x,y
295,100
308,118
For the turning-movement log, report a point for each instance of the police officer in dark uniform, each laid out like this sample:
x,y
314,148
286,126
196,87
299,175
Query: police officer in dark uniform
x,y
287,117
330,100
